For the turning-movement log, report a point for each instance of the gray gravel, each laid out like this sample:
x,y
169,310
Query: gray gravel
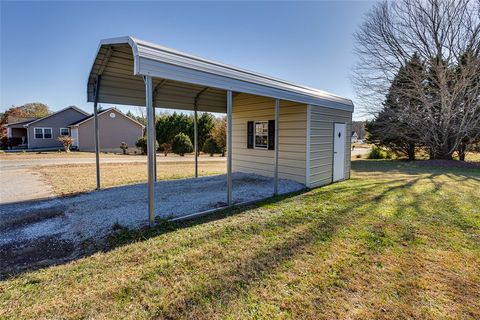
x,y
92,215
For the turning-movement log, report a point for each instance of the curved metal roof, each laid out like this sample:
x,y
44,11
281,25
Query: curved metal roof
x,y
180,79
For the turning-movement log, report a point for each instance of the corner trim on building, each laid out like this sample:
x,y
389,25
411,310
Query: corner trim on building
x,y
307,158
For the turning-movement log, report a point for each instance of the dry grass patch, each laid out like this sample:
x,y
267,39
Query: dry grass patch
x,y
68,179
397,241
362,145
473,156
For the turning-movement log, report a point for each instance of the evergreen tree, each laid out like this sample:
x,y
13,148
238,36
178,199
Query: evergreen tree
x,y
391,127
206,122
169,125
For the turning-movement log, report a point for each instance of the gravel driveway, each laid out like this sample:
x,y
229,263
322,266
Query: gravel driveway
x,y
39,232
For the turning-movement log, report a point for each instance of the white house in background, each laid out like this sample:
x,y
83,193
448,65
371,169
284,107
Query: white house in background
x,y
354,137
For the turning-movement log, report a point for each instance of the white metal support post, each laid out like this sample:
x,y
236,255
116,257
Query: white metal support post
x,y
150,148
195,127
97,134
155,144
229,148
195,138
277,119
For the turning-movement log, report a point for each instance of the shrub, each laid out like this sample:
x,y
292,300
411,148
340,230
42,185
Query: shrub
x,y
8,143
142,144
166,148
210,147
124,147
181,144
377,153
66,141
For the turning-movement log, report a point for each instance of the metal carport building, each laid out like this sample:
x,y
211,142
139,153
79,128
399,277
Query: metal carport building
x,y
274,127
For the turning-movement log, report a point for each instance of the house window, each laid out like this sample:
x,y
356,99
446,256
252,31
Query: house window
x,y
43,133
38,133
47,133
261,135
64,132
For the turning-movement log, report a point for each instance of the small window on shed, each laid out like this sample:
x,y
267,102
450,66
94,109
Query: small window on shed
x,y
261,134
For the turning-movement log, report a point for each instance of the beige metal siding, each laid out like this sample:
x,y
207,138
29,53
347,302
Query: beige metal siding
x,y
292,137
112,132
321,143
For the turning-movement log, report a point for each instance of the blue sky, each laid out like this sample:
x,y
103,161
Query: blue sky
x,y
47,48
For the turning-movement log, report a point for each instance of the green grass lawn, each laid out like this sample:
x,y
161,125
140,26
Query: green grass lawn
x,y
395,242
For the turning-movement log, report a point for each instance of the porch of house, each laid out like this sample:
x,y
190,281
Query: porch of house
x,y
18,136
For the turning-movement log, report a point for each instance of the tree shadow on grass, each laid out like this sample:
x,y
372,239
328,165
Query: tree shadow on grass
x,y
410,168
453,289
401,273
231,284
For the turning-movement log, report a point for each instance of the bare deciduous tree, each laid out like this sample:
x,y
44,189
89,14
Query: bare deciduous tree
x,y
67,142
445,34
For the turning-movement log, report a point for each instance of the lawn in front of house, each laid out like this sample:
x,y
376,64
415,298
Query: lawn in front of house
x,y
472,156
395,241
74,178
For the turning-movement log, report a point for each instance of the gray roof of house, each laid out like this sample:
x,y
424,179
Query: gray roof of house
x,y
19,124
59,111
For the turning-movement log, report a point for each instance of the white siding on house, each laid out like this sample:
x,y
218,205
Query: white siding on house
x,y
321,143
292,137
